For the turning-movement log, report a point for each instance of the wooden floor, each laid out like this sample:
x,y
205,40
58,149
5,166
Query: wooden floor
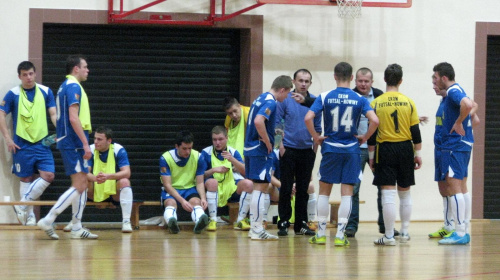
x,y
229,254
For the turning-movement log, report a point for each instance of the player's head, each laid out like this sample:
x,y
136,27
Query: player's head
x,y
443,75
364,80
343,72
184,143
302,80
393,74
103,137
438,91
76,65
281,87
26,73
219,138
232,108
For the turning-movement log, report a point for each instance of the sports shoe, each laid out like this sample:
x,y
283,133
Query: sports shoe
x,y
320,240
440,233
31,221
22,215
304,230
404,237
49,229
468,237
243,225
385,241
68,227
263,236
382,231
283,228
173,227
312,225
83,233
126,227
341,241
201,224
212,226
350,232
454,239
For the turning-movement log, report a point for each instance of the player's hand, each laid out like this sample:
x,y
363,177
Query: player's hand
x,y
88,153
204,204
220,169
319,140
371,163
361,139
12,146
269,148
187,206
418,162
227,155
299,98
423,119
101,178
458,128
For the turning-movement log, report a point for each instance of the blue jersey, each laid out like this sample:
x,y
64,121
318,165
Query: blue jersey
x,y
181,162
438,133
121,156
206,159
342,109
69,93
454,141
10,104
264,105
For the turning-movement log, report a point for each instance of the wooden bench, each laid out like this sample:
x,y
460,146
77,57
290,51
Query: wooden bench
x,y
134,218
334,211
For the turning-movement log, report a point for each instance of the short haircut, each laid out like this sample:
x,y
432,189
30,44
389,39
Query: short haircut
x,y
219,130
25,65
343,71
282,81
106,131
302,70
393,74
228,102
72,61
184,136
364,71
445,69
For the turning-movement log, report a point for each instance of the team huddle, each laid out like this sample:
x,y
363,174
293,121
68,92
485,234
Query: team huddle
x,y
246,164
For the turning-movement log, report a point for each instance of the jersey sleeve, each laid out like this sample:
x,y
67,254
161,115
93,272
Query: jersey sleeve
x,y
7,103
50,101
456,96
205,161
238,157
317,106
164,168
366,106
200,169
122,158
74,94
267,109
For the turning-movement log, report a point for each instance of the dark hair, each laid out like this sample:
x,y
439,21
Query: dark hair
x,y
106,131
25,65
343,71
228,102
184,136
445,69
302,70
364,71
219,130
282,81
72,61
393,74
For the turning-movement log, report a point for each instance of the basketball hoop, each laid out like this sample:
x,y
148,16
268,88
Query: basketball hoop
x,y
349,8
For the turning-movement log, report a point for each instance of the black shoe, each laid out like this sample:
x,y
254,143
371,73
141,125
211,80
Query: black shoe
x,y
350,232
283,228
305,230
381,230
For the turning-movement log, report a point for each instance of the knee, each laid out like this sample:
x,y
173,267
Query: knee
x,y
310,189
247,186
124,182
48,176
211,185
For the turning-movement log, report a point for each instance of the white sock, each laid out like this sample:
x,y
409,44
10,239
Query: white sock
x,y
323,211
457,202
344,213
126,201
267,204
405,207
77,207
245,200
170,212
448,217
23,189
62,203
196,214
212,205
34,191
468,210
311,207
389,211
256,205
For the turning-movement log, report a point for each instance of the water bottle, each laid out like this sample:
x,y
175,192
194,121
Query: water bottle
x,y
279,131
49,140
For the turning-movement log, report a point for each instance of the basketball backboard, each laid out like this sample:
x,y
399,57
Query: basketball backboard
x,y
366,3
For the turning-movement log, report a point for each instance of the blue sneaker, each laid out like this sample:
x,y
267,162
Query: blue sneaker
x,y
468,237
454,239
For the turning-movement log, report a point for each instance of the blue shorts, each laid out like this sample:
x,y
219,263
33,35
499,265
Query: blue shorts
x,y
74,162
339,168
258,168
28,160
440,169
187,194
454,164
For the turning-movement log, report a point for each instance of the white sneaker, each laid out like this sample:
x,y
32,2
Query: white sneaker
x,y
83,234
263,236
385,241
404,237
127,227
49,229
68,227
31,221
21,214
